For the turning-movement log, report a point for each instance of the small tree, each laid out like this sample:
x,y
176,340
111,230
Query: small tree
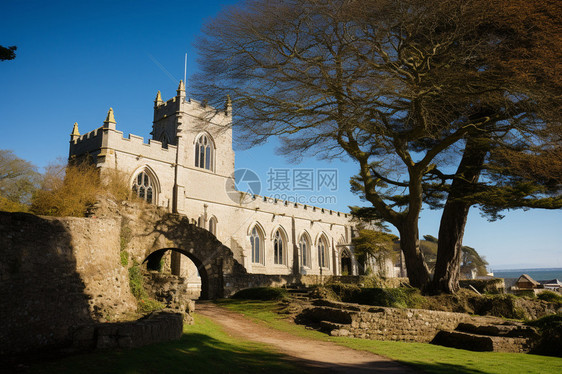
x,y
18,180
377,245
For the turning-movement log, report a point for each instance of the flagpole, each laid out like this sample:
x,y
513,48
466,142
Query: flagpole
x,y
185,70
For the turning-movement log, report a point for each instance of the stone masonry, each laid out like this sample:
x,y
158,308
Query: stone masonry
x,y
457,330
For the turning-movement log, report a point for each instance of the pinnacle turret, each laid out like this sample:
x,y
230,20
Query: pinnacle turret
x,y
158,99
181,87
109,122
75,133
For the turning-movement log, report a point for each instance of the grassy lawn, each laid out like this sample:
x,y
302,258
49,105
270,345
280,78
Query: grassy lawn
x,y
204,348
430,358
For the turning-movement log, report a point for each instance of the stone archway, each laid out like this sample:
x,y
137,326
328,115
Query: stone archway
x,y
153,263
346,265
153,235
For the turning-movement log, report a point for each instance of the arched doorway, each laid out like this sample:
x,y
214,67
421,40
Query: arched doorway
x,y
153,262
345,263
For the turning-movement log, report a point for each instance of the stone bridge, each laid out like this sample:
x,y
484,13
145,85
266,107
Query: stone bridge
x,y
59,273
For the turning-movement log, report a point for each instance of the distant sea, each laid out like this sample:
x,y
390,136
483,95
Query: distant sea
x,y
536,274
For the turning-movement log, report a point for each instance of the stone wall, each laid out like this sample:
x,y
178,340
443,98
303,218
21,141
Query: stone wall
x,y
236,282
380,323
57,273
156,328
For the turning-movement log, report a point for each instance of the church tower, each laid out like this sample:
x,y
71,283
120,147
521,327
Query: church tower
x,y
203,137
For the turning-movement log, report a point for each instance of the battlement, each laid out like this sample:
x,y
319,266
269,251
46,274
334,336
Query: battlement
x,y
109,139
88,143
292,208
192,107
88,136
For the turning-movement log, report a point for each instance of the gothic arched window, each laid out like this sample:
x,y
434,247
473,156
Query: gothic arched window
x,y
204,152
256,241
213,226
304,249
278,248
323,252
143,187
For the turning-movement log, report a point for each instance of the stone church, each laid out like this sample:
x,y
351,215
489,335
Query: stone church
x,y
188,168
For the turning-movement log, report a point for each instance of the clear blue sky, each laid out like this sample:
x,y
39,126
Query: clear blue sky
x,y
75,59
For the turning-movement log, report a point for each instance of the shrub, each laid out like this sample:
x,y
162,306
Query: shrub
x,y
497,305
145,304
71,190
550,296
67,190
547,322
149,305
389,297
345,292
551,335
136,282
7,205
261,293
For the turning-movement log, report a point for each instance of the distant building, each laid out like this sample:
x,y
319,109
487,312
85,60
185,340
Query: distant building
x,y
526,283
552,285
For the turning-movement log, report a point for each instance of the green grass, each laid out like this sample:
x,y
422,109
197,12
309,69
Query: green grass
x,y
204,348
429,358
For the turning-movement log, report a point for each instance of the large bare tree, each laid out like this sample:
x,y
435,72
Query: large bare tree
x,y
402,87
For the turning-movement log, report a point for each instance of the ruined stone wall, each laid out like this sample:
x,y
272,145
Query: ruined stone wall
x,y
156,328
55,274
380,323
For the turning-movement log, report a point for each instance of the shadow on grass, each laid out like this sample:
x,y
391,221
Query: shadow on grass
x,y
193,353
443,368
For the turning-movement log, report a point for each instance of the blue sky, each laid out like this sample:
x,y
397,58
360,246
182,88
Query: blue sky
x,y
77,59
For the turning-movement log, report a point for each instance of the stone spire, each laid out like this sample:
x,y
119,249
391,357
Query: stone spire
x,y
228,105
158,99
109,122
75,133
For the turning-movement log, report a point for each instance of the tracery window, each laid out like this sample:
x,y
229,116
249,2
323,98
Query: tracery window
x,y
304,249
143,187
204,153
256,241
322,253
278,248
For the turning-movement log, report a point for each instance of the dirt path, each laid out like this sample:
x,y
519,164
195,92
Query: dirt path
x,y
318,356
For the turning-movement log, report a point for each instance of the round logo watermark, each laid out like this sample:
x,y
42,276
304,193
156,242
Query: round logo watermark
x,y
242,185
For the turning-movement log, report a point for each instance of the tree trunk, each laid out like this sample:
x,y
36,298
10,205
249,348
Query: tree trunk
x,y
418,272
449,247
454,217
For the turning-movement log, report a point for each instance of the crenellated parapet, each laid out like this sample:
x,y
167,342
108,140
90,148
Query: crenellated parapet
x,y
107,140
136,146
